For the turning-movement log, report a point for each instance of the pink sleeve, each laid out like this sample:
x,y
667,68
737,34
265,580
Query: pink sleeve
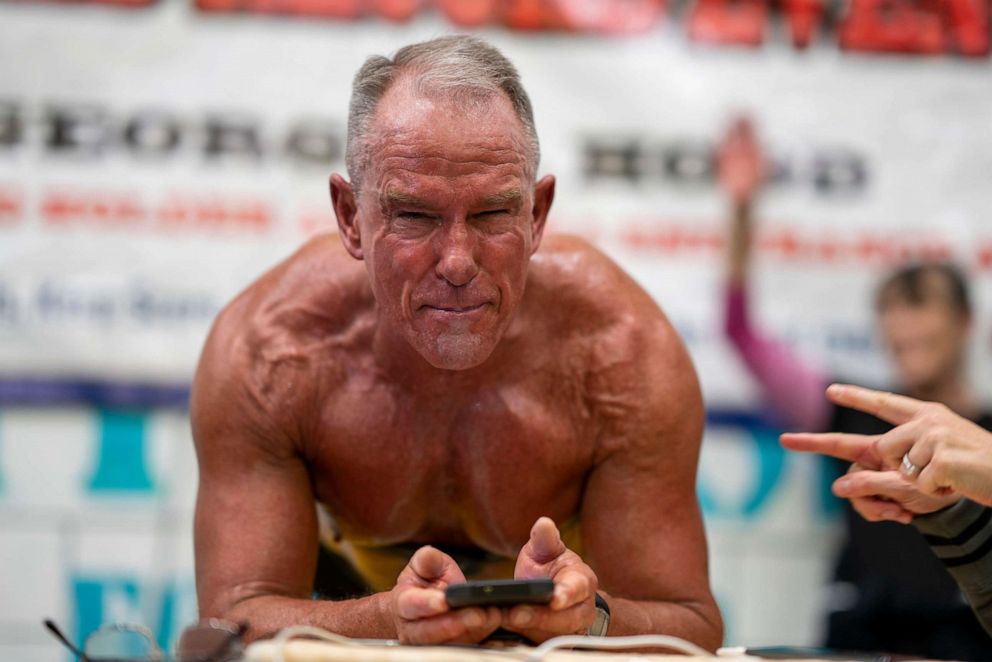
x,y
794,390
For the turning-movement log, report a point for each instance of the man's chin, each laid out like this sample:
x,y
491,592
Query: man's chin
x,y
457,352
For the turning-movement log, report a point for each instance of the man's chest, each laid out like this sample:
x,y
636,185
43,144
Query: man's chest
x,y
476,468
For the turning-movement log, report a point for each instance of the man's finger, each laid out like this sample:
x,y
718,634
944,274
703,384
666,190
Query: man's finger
x,y
528,619
896,409
469,625
416,603
571,587
545,542
850,447
431,564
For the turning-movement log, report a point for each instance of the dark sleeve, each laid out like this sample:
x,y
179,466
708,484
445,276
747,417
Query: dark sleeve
x,y
961,537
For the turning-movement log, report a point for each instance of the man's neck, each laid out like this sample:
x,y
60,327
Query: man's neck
x,y
405,367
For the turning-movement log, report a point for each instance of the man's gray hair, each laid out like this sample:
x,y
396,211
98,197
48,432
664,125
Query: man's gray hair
x,y
459,67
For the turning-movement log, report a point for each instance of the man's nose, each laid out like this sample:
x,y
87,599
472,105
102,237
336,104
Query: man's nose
x,y
457,260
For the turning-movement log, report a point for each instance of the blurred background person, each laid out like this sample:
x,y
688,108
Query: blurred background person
x,y
889,591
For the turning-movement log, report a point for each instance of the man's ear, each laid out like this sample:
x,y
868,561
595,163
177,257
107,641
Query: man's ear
x,y
544,195
346,211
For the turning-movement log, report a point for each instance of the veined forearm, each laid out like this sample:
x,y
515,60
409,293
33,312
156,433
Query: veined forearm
x,y
697,622
366,617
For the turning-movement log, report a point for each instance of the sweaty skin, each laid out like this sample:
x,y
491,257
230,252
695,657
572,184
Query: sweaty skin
x,y
451,387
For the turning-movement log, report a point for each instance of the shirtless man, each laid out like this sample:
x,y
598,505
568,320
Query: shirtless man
x,y
435,383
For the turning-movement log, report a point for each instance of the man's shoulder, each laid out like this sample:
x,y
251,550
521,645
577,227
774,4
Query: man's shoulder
x,y
316,290
588,299
270,330
576,279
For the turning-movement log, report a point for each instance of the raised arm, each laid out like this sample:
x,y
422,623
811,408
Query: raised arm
x,y
793,388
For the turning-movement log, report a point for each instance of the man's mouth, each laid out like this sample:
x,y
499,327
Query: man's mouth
x,y
455,309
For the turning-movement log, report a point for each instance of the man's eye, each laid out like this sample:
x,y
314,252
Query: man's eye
x,y
413,215
493,213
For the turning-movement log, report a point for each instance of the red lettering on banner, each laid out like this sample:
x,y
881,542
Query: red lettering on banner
x,y
250,215
470,13
11,207
984,257
116,211
728,21
968,25
926,27
617,17
397,10
896,26
674,240
686,238
348,9
530,15
92,209
115,3
804,18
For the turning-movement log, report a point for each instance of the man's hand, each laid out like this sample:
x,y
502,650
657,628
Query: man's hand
x,y
573,606
420,612
740,163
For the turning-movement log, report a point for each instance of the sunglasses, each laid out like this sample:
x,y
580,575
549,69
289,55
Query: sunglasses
x,y
210,640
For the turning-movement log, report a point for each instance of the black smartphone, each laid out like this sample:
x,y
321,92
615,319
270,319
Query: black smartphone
x,y
500,593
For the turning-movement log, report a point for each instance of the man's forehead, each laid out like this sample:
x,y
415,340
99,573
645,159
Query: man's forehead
x,y
396,195
438,122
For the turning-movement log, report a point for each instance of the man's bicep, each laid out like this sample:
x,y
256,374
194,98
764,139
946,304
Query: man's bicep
x,y
641,522
255,526
643,534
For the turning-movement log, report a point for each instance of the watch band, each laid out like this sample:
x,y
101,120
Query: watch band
x,y
602,622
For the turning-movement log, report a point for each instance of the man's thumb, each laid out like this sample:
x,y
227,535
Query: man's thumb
x,y
545,541
429,563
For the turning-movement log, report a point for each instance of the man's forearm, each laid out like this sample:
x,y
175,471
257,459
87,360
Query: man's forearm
x,y
697,622
366,617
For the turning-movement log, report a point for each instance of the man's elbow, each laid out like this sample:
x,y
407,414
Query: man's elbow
x,y
709,630
243,602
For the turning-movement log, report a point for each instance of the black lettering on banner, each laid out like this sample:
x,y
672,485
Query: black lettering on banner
x,y
9,305
154,306
839,172
612,160
78,130
314,142
152,133
689,163
231,138
11,128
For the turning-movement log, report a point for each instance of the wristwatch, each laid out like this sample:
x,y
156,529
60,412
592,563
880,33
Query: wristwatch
x,y
602,622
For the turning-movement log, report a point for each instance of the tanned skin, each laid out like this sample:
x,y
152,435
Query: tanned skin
x,y
428,378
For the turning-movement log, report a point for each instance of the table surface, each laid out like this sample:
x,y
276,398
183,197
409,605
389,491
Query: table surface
x,y
301,650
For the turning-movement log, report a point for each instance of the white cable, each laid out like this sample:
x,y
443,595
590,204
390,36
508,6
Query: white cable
x,y
569,641
637,641
285,634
